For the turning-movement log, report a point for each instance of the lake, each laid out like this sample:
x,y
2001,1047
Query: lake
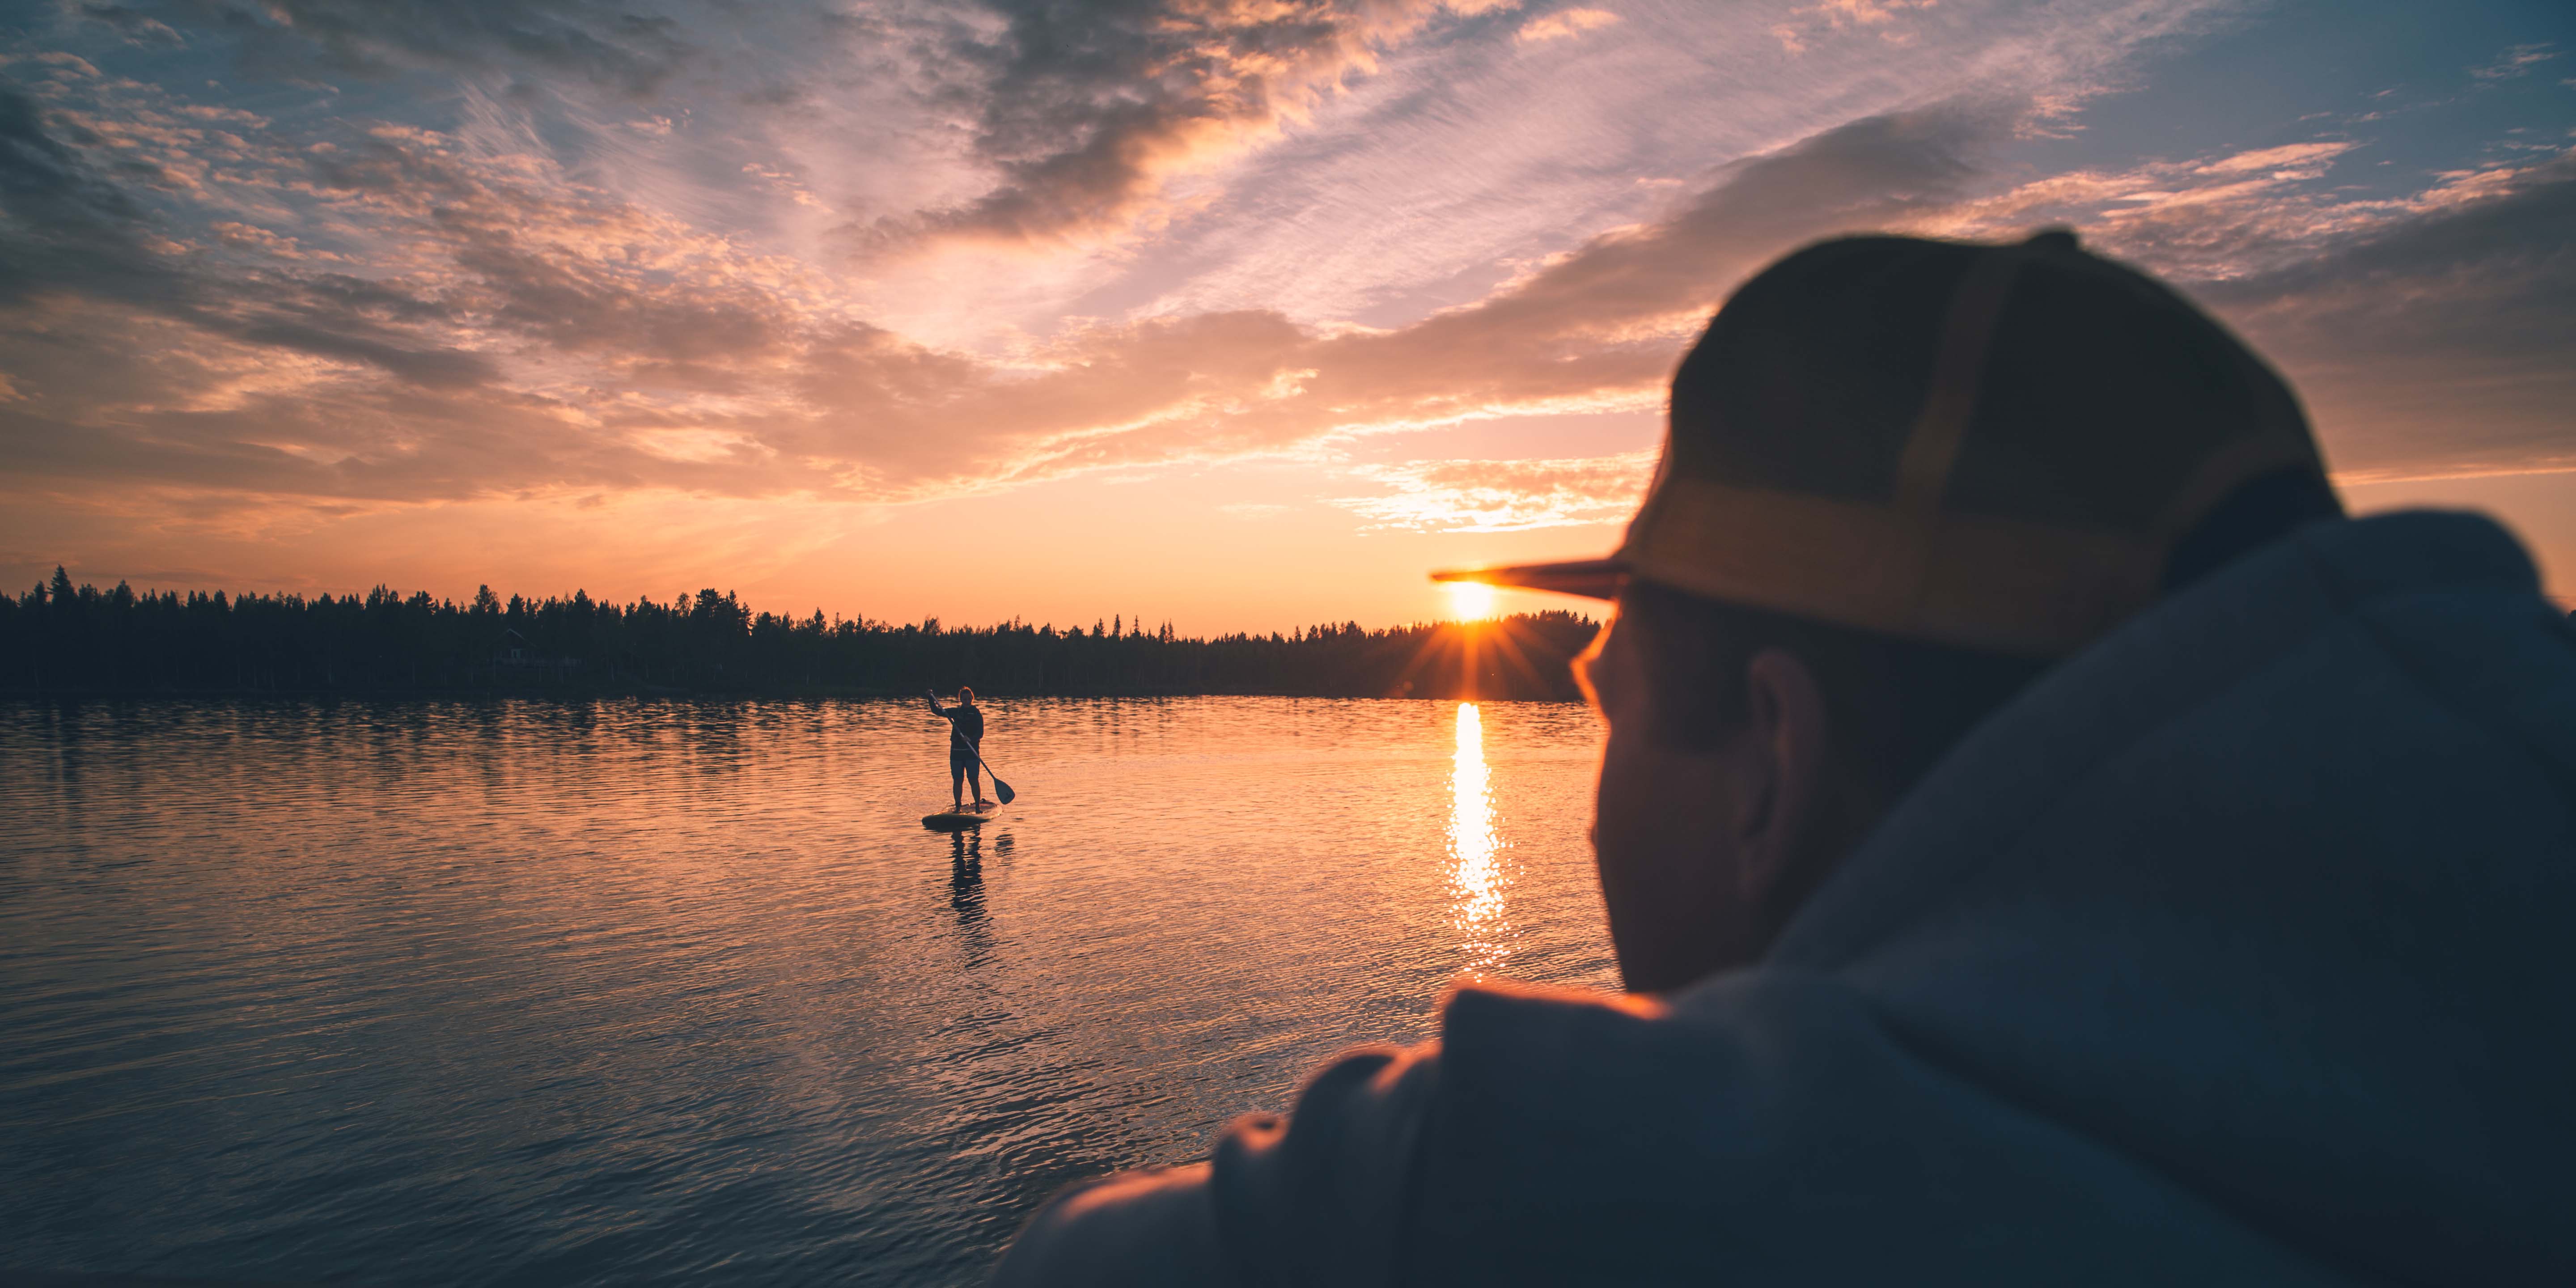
x,y
524,992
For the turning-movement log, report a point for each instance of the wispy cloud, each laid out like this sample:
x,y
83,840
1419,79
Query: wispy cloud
x,y
1803,25
546,335
1504,496
606,43
1090,111
1562,24
2514,62
2433,340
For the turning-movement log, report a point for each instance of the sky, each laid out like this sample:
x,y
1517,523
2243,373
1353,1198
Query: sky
x,y
1237,314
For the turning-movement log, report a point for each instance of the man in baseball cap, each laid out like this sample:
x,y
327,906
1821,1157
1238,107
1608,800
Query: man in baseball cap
x,y
2045,842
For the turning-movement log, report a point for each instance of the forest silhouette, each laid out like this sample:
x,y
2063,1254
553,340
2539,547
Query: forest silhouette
x,y
61,638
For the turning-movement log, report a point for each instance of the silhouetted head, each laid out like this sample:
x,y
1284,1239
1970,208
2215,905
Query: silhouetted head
x,y
1902,478
965,695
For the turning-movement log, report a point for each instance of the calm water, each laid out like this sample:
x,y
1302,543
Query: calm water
x,y
470,992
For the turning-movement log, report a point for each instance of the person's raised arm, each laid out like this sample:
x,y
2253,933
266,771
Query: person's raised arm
x,y
935,708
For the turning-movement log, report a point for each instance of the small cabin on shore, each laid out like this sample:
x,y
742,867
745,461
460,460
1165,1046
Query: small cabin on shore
x,y
513,654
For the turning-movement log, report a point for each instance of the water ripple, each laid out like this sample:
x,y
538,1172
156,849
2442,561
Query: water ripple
x,y
679,991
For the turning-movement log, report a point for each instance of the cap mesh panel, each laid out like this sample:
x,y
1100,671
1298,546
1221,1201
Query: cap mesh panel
x,y
2102,396
1811,377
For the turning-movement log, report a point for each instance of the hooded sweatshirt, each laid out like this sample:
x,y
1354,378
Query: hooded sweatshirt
x,y
2241,948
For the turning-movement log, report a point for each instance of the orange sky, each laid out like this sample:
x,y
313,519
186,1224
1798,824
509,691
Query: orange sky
x,y
1194,312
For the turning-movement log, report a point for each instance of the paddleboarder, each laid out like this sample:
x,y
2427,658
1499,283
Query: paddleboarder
x,y
965,741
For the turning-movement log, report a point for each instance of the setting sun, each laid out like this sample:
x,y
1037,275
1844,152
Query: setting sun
x,y
1469,601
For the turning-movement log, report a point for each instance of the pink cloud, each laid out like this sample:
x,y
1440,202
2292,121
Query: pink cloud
x,y
1562,24
522,332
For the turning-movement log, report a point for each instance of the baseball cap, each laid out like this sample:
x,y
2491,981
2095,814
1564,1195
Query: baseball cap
x,y
1988,446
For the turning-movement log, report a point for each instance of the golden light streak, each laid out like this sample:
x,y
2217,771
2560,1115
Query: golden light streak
x,y
1477,879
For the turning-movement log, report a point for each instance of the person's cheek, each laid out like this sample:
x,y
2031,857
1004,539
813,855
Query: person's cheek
x,y
1618,839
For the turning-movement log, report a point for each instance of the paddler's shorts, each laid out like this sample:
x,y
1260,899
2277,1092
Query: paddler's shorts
x,y
960,758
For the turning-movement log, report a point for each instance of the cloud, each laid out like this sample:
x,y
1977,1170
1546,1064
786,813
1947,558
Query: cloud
x,y
2427,330
135,26
2435,341
2514,62
544,335
65,221
235,313
1803,25
72,229
1598,328
2202,218
608,44
1563,23
1089,111
1505,496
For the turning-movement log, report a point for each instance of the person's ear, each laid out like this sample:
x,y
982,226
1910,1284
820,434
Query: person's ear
x,y
1785,754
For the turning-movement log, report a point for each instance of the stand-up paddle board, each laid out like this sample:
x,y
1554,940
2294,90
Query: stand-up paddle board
x,y
955,820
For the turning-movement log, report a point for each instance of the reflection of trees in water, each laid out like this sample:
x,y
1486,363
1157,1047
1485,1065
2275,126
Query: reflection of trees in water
x,y
712,740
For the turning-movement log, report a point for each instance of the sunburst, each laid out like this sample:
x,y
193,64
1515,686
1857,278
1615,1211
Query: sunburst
x,y
1470,601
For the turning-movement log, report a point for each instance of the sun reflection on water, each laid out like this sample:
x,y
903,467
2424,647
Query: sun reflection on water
x,y
1477,879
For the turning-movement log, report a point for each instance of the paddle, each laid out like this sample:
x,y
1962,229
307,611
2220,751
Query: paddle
x,y
1001,790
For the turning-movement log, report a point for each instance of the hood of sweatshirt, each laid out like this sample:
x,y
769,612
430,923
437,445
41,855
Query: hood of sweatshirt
x,y
2240,947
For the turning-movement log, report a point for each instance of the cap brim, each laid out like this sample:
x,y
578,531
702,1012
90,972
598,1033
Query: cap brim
x,y
1590,578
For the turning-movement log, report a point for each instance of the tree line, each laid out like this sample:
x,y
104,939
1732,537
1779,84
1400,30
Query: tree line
x,y
61,638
